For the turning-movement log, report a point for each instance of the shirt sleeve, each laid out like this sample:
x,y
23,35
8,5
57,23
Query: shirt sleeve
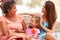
x,y
37,31
27,31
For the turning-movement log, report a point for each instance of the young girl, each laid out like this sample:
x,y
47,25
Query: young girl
x,y
33,30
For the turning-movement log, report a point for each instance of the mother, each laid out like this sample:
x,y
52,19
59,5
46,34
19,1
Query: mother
x,y
48,21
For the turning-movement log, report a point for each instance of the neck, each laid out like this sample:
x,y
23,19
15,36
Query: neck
x,y
34,27
44,16
10,15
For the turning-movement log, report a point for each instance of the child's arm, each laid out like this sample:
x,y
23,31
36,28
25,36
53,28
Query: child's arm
x,y
35,36
32,37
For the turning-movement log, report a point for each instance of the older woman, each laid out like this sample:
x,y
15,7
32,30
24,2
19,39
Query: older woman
x,y
11,24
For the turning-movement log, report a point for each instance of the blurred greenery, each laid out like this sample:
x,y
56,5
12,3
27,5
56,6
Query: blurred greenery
x,y
33,3
18,2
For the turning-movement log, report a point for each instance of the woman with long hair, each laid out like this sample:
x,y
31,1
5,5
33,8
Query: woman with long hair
x,y
48,21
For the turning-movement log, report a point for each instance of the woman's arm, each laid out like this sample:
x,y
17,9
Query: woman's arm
x,y
17,35
31,14
46,29
23,30
21,18
24,26
27,14
4,28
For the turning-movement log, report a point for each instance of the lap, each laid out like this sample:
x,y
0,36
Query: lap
x,y
18,36
52,35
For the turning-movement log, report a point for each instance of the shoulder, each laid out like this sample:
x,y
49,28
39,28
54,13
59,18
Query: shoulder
x,y
37,29
28,29
20,16
2,18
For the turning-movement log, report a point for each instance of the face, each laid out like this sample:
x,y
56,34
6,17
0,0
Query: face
x,y
13,9
33,22
43,10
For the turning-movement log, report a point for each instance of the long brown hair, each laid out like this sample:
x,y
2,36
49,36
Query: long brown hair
x,y
51,13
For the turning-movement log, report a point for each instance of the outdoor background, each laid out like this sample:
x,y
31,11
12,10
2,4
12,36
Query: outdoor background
x,y
34,6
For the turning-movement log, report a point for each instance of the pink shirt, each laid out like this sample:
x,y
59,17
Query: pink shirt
x,y
30,33
13,25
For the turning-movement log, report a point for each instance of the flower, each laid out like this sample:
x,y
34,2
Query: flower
x,y
33,31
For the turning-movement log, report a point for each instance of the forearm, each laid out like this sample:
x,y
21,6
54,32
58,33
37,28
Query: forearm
x,y
6,32
21,31
17,34
35,36
46,29
32,36
4,28
27,14
24,26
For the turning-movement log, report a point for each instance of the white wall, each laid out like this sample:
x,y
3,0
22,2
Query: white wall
x,y
0,12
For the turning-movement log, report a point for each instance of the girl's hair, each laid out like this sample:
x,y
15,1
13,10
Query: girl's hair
x,y
37,22
7,6
51,13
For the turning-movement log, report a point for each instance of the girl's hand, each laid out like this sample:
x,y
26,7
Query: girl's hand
x,y
32,39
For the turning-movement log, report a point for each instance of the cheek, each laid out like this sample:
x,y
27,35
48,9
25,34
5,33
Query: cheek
x,y
43,10
31,24
14,10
